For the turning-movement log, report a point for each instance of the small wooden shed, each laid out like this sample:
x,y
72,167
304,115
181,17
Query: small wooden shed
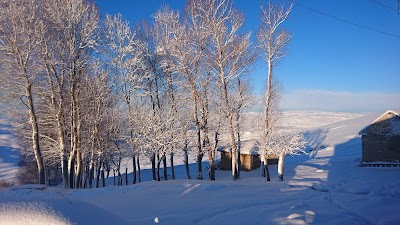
x,y
249,156
381,140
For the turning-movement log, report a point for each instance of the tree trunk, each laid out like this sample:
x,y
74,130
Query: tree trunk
x,y
172,165
198,136
238,161
102,176
281,163
267,112
35,136
91,170
74,147
119,177
266,168
234,148
134,169
164,159
71,170
108,169
199,167
158,169
126,176
138,166
64,168
87,175
79,171
186,159
78,152
212,166
98,173
262,167
229,116
153,166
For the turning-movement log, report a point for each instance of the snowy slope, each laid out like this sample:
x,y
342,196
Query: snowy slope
x,y
8,153
325,186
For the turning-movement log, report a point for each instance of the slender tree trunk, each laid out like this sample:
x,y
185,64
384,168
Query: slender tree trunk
x,y
199,166
164,159
186,159
229,116
87,175
79,170
102,176
216,139
63,150
153,166
108,169
35,136
198,134
238,108
134,169
281,163
212,166
138,165
172,165
158,168
71,169
98,172
234,149
119,172
114,177
267,112
126,176
64,168
119,177
91,170
238,161
78,153
262,167
266,168
74,147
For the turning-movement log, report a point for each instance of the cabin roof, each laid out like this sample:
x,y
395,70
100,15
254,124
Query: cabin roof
x,y
388,124
247,147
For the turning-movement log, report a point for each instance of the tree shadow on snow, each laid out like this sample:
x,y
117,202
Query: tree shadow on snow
x,y
314,176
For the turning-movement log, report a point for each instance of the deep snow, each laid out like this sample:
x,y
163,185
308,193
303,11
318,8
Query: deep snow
x,y
324,186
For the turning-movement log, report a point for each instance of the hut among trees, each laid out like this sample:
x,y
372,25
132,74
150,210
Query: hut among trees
x,y
381,140
249,156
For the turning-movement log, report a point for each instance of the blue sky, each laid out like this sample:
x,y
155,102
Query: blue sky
x,y
331,65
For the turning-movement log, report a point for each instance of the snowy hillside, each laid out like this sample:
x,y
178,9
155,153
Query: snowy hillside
x,y
8,153
325,186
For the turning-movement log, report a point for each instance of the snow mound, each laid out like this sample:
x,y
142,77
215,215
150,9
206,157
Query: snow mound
x,y
30,213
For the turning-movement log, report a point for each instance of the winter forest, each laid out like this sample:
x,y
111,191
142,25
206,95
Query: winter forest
x,y
88,92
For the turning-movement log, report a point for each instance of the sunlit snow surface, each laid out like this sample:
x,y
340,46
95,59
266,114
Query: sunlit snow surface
x,y
325,186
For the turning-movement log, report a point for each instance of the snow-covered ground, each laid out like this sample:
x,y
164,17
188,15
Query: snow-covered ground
x,y
324,186
8,153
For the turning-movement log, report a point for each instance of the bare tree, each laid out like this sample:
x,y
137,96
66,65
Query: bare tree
x,y
19,42
242,99
186,46
125,57
230,55
284,143
273,42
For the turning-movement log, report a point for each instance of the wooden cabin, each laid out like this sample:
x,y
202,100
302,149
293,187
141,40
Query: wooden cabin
x,y
381,140
249,156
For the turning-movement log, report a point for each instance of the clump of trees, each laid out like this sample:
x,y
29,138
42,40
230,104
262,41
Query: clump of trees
x,y
90,93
